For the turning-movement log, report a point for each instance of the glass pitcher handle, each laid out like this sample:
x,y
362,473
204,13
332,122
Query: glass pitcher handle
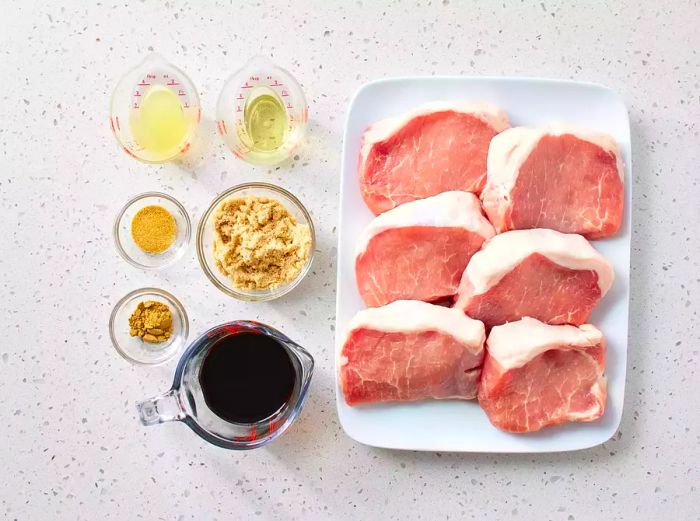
x,y
161,409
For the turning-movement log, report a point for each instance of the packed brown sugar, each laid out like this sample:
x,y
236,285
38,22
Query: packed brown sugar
x,y
259,244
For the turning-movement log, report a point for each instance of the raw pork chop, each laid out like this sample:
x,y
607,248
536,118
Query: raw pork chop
x,y
431,149
555,177
411,350
536,375
555,277
419,250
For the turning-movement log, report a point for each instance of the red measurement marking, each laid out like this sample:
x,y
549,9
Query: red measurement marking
x,y
136,105
186,105
181,93
276,84
246,86
199,115
185,148
129,152
138,94
240,96
255,78
289,106
284,93
239,328
111,124
221,125
143,84
117,121
231,329
238,109
151,76
238,154
305,115
173,82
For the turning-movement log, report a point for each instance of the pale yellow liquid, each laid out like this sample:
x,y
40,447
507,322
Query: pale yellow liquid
x,y
159,124
265,119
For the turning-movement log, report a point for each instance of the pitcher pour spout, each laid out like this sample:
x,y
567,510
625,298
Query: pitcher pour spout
x,y
160,409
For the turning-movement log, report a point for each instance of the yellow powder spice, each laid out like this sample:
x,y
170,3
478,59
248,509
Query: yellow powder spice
x,y
152,321
259,244
153,229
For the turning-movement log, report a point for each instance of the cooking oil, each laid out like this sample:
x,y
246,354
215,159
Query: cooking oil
x,y
159,125
265,120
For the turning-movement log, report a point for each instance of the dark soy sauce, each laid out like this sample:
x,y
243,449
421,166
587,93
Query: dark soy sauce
x,y
246,377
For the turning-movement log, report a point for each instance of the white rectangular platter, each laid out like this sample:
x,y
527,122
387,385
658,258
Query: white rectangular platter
x,y
461,425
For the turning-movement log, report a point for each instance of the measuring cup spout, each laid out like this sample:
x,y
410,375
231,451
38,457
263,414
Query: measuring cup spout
x,y
258,59
160,409
153,58
305,359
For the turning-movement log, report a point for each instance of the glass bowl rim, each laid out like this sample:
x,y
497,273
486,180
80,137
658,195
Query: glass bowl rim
x,y
242,295
118,243
179,310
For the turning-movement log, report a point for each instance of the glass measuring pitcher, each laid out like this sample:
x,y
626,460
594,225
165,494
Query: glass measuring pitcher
x,y
155,111
187,401
262,113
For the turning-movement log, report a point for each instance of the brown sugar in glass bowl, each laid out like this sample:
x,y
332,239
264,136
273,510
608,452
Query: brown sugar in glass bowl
x,y
259,244
207,236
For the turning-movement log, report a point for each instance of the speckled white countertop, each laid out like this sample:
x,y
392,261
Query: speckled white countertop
x,y
70,443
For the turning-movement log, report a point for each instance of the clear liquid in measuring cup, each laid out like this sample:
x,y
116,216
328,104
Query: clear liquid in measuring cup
x,y
155,111
265,120
262,113
247,377
158,123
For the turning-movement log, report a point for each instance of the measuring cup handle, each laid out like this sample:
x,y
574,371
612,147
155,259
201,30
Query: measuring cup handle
x,y
160,409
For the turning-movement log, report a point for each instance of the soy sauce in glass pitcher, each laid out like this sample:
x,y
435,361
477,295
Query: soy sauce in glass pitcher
x,y
247,377
239,386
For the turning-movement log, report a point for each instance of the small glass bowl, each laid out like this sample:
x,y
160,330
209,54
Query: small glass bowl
x,y
124,241
133,348
206,235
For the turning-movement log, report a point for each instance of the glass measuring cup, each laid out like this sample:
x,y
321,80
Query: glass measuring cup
x,y
185,401
237,112
155,111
